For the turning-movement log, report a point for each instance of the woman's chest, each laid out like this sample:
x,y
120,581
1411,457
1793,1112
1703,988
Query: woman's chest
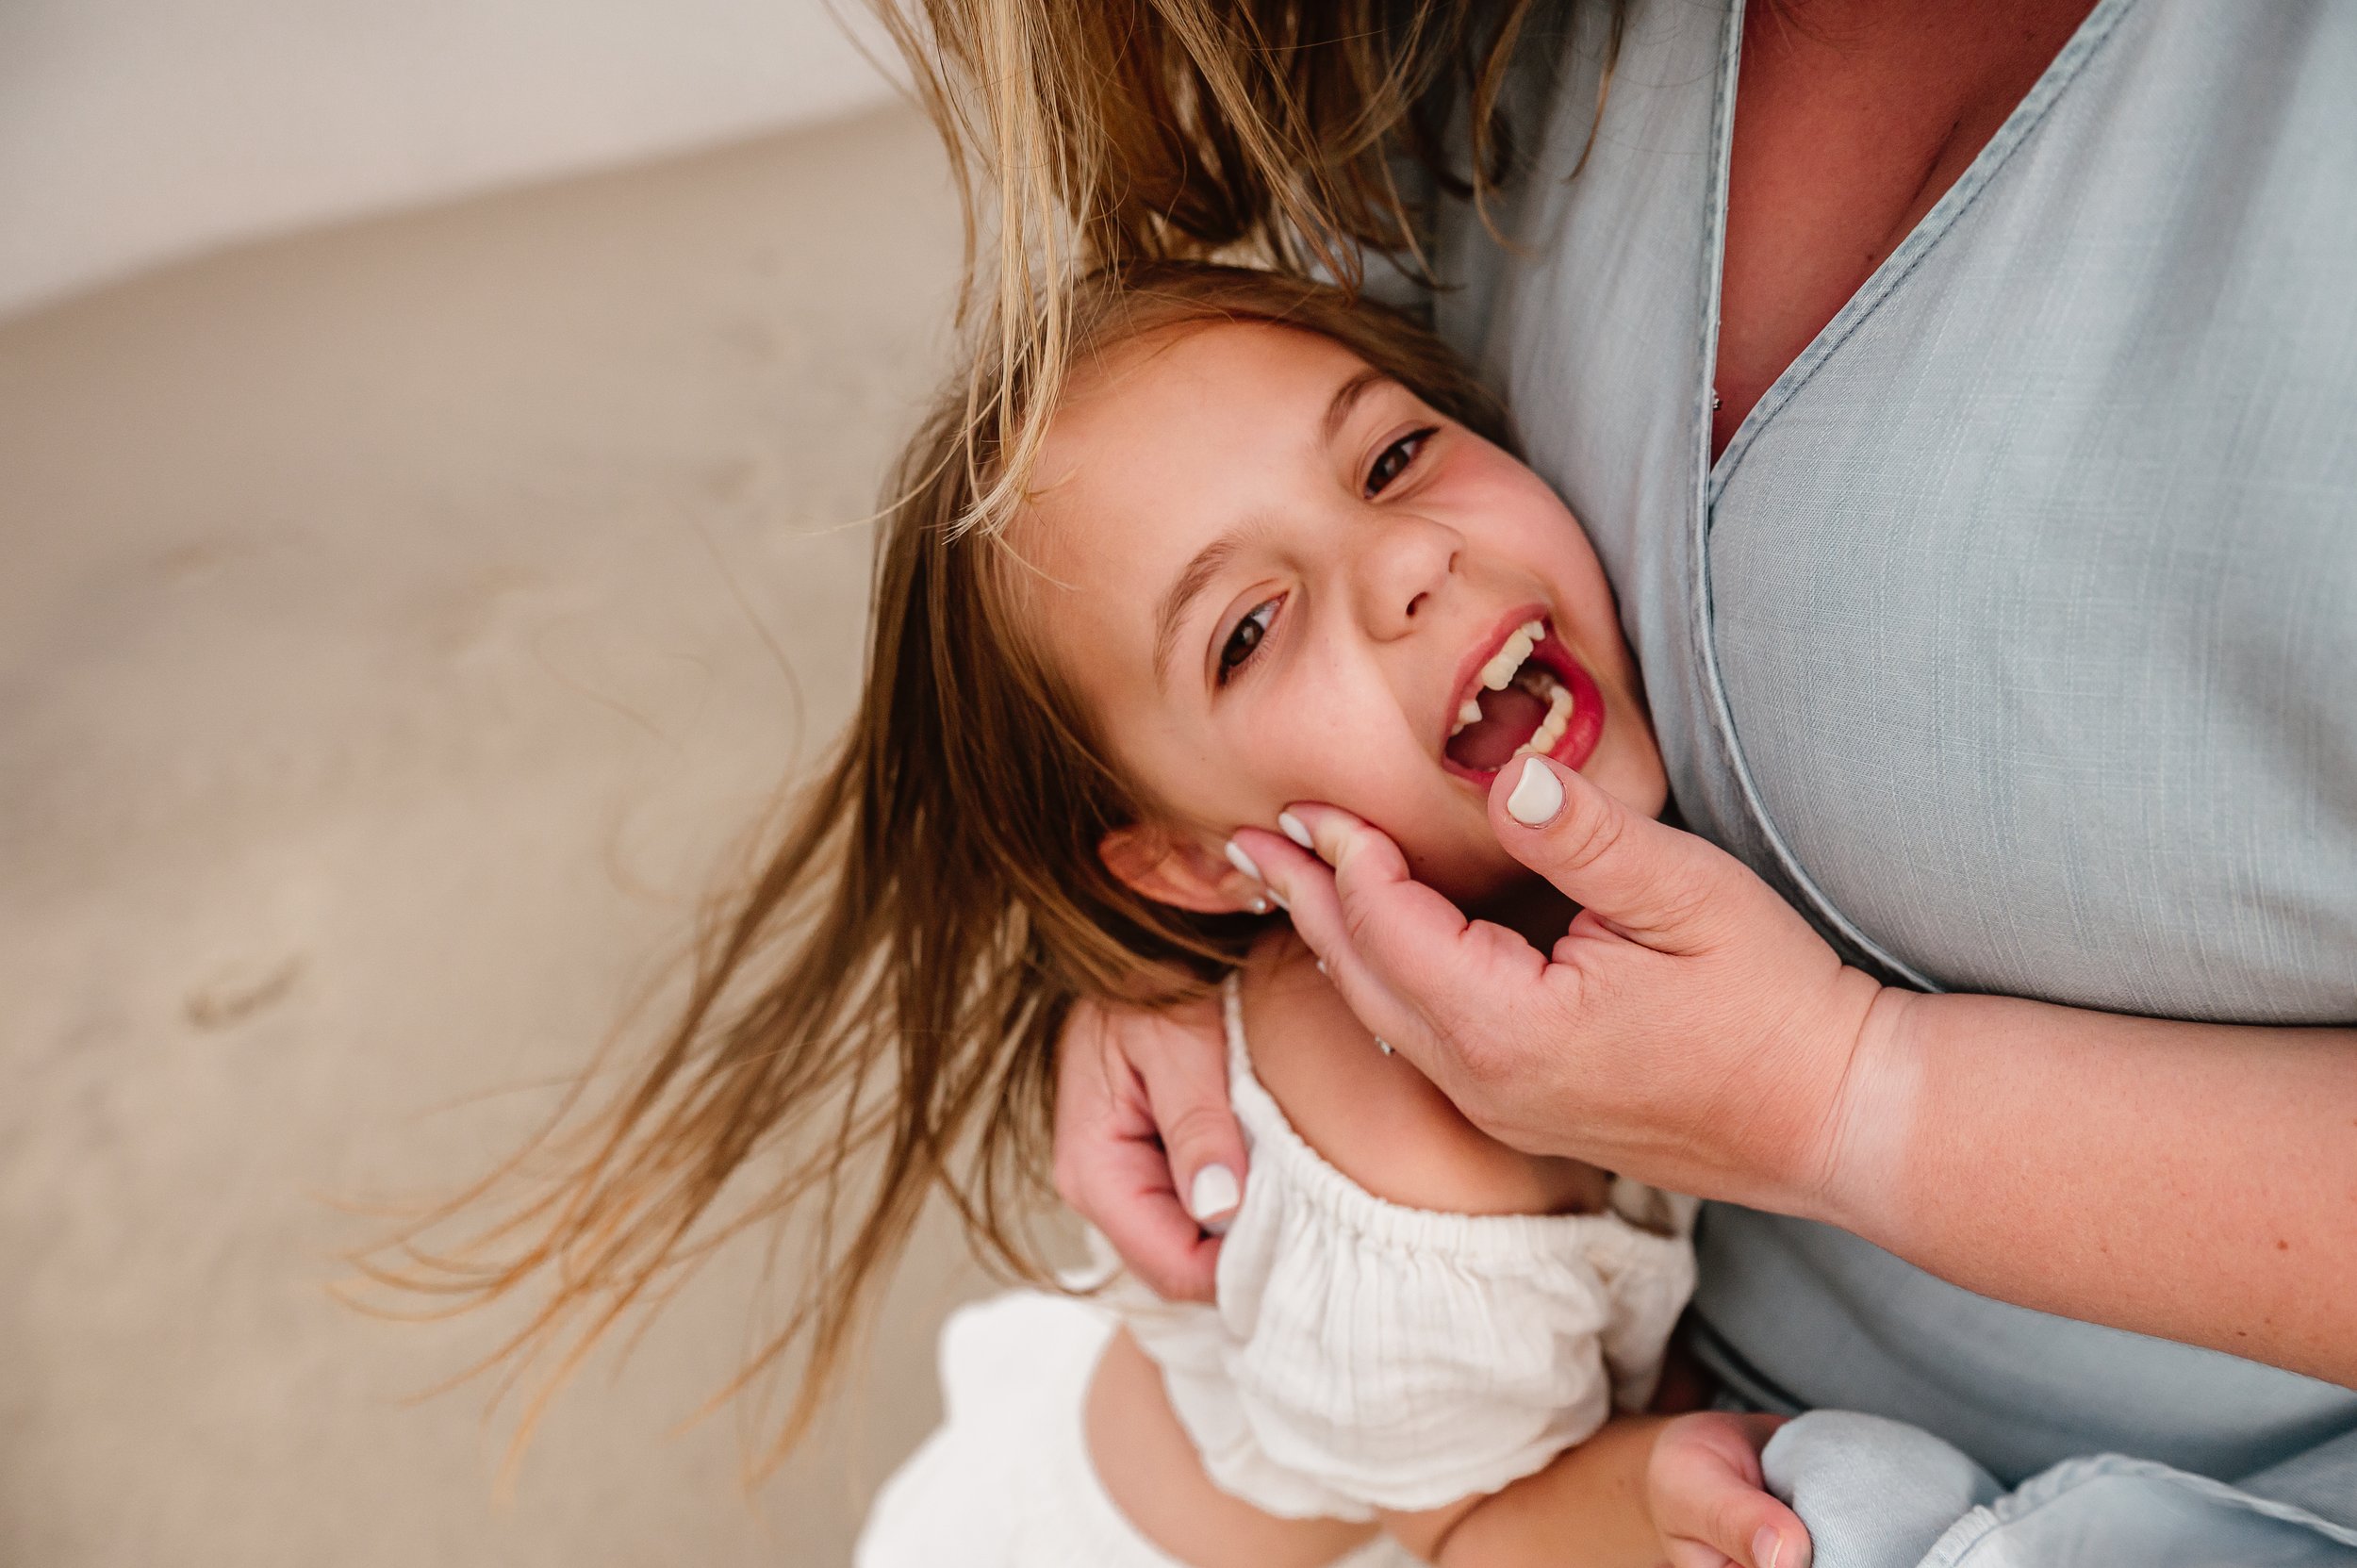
x,y
2032,592
2012,636
1852,119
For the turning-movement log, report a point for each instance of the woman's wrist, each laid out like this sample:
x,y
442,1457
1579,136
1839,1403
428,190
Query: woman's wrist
x,y
1855,1171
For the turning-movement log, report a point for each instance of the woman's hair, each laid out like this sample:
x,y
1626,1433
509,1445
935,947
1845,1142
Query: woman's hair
x,y
874,1020
1296,133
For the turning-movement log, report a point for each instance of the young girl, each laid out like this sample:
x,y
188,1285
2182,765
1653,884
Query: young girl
x,y
1272,546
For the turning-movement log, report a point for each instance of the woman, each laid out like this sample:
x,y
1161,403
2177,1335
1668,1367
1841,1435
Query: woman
x,y
1960,399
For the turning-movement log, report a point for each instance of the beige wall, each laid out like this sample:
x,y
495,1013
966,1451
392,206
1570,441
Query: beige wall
x,y
385,668
134,131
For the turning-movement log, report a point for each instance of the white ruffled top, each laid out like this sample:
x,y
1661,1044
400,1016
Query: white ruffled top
x,y
1367,1355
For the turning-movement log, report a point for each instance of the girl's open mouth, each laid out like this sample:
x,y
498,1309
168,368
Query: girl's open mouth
x,y
1528,695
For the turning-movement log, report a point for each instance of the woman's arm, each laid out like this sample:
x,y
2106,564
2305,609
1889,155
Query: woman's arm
x,y
2195,1182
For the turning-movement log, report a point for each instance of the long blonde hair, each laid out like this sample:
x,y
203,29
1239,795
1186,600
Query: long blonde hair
x,y
874,1021
1087,134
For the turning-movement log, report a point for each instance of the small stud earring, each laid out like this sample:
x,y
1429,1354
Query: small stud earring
x,y
1382,1045
1259,905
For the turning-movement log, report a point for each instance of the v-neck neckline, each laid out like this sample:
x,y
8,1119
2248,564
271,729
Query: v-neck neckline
x,y
1886,278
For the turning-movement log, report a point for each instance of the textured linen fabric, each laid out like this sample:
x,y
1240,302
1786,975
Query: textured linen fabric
x,y
1878,1494
1006,1481
1365,1355
2014,636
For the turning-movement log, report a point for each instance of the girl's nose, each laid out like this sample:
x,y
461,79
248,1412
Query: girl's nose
x,y
1401,568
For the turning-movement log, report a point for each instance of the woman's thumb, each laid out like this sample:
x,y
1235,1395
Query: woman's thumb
x,y
1646,880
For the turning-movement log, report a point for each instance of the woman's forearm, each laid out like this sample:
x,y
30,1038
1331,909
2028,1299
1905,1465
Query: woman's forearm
x,y
2195,1181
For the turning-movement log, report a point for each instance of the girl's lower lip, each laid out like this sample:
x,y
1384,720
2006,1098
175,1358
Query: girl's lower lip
x,y
1586,729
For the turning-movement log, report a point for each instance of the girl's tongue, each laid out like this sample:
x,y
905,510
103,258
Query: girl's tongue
x,y
1509,717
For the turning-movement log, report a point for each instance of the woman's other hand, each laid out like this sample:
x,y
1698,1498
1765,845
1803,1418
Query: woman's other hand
x,y
1704,1487
1142,1116
1689,1030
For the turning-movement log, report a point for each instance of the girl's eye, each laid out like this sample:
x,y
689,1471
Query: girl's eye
x,y
1395,459
1245,639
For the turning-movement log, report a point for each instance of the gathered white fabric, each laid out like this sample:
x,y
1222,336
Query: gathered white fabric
x,y
1366,1355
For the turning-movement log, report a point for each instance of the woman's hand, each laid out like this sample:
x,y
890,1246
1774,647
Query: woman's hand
x,y
1142,1116
1691,1029
1708,1500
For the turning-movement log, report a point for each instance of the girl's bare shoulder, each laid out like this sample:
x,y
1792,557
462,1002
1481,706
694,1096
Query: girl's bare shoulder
x,y
1375,1118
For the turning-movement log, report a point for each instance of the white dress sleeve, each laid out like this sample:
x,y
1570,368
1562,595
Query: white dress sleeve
x,y
1366,1355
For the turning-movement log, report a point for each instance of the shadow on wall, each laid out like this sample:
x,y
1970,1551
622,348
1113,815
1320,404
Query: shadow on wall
x,y
384,664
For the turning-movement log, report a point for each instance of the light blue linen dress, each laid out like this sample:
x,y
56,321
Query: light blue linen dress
x,y
2014,636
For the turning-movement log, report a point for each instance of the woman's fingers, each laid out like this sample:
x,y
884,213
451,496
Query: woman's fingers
x,y
1392,945
1114,1165
1644,879
1306,882
1186,1095
1404,958
1708,1501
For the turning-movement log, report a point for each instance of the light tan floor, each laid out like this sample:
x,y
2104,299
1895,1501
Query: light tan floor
x,y
384,664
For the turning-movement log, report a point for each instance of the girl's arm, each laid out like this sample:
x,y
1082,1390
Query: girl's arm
x,y
1636,1484
1616,1501
1587,1508
2191,1180
1687,1487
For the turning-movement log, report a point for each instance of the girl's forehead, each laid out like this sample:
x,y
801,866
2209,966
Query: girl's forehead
x,y
1219,364
1161,447
1188,416
1157,445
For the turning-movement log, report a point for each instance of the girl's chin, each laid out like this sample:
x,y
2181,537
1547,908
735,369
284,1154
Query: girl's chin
x,y
1487,883
1473,885
1530,905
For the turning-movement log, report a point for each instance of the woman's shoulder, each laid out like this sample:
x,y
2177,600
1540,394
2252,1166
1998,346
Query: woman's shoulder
x,y
1374,1117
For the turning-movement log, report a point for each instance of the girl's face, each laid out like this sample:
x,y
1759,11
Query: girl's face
x,y
1274,575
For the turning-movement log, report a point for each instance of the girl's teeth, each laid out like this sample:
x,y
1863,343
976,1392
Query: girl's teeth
x,y
1502,666
1550,731
1519,642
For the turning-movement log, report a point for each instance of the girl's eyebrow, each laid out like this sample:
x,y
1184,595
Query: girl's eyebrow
x,y
1346,397
1191,582
1208,560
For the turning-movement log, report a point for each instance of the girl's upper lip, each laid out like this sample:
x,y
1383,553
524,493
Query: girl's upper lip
x,y
1469,669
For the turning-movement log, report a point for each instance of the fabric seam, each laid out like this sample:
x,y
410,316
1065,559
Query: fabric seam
x,y
2027,116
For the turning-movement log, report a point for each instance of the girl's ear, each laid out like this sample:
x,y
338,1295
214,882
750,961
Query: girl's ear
x,y
1159,865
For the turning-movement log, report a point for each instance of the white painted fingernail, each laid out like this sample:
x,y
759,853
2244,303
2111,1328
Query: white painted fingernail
x,y
1213,1193
1289,825
1242,861
1537,796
